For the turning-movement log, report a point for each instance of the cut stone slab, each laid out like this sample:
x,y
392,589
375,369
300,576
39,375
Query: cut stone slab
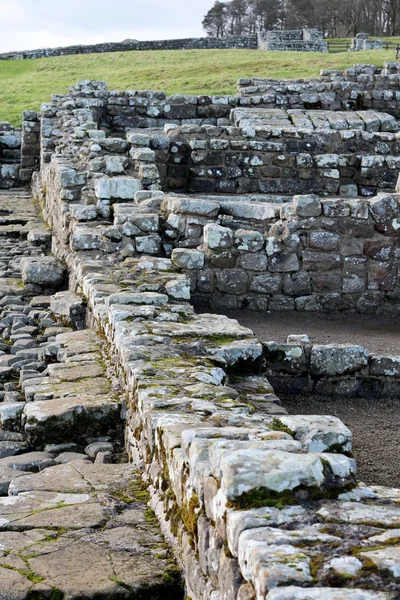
x,y
361,514
14,586
71,419
248,469
318,433
76,477
75,371
337,359
120,188
44,271
6,476
30,461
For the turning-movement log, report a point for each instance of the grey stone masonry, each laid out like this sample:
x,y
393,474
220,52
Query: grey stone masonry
x,y
362,42
30,145
10,152
320,255
258,504
331,370
299,40
275,151
362,87
205,43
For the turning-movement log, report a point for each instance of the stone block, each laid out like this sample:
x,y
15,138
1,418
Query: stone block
x,y
248,241
387,366
267,283
217,237
284,263
44,271
185,258
232,281
287,358
320,261
119,188
337,359
307,206
324,240
149,244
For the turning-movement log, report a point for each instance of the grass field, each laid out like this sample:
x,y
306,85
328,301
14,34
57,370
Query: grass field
x,y
25,84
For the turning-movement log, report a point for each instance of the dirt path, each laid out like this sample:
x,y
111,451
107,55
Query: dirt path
x,y
379,334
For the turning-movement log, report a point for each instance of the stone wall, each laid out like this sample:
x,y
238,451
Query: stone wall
x,y
329,254
206,43
10,151
258,250
300,40
362,87
301,368
361,42
293,152
30,145
257,503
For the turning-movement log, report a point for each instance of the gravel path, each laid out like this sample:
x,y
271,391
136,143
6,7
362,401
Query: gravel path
x,y
379,334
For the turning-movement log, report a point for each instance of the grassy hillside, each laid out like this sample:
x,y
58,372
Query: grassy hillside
x,y
25,84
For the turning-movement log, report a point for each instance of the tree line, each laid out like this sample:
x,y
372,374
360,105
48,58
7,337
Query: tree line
x,y
335,18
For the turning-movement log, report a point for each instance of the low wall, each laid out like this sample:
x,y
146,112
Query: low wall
x,y
271,157
299,40
362,87
321,255
206,43
331,370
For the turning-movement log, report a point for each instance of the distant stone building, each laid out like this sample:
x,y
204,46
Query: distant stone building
x,y
298,40
362,42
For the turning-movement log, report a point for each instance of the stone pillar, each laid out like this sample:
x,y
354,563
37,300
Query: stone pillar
x,y
30,145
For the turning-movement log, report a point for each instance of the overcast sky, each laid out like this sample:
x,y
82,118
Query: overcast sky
x,y
30,24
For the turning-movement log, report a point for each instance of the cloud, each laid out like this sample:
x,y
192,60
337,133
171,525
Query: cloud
x,y
11,12
50,23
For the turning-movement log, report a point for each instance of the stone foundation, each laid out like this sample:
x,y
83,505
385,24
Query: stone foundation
x,y
258,504
337,370
301,40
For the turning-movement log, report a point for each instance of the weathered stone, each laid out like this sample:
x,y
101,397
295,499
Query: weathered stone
x,y
307,206
337,359
45,271
188,259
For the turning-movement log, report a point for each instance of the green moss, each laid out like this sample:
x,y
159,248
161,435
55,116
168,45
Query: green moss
x,y
190,515
277,425
171,575
150,516
56,594
338,449
261,497
136,492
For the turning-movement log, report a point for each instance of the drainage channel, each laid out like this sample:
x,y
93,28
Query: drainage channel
x,y
74,520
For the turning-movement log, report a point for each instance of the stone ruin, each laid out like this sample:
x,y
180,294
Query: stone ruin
x,y
144,451
299,40
362,42
306,40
